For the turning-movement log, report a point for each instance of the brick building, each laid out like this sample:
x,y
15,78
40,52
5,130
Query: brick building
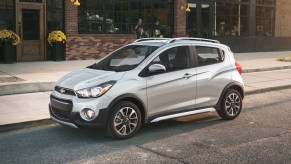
x,y
97,27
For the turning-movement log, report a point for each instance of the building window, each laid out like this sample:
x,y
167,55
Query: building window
x,y
232,17
265,17
121,16
54,20
7,15
54,15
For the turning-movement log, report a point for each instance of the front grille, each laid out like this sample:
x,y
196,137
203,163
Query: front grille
x,y
63,115
65,91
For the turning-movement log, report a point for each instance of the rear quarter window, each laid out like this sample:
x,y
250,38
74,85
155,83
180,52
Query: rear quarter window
x,y
209,55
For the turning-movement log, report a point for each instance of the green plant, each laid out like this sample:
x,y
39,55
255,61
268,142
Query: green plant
x,y
285,59
281,58
9,36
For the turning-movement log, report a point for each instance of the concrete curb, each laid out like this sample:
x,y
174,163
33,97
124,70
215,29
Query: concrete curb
x,y
25,125
263,90
25,87
48,121
266,69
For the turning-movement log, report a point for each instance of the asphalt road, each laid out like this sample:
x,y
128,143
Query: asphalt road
x,y
261,134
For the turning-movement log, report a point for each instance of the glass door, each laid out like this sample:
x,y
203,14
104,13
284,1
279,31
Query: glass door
x,y
199,19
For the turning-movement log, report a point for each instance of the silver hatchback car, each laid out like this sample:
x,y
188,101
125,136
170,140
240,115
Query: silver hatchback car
x,y
147,81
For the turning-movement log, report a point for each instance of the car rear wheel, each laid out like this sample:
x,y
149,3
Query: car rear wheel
x,y
124,120
231,105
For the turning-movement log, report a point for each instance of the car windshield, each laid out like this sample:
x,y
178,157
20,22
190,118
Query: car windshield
x,y
125,59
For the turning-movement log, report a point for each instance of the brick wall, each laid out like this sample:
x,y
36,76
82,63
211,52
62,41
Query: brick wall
x,y
89,46
179,19
282,19
85,46
71,18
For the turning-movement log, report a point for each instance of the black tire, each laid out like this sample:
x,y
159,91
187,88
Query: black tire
x,y
231,105
124,120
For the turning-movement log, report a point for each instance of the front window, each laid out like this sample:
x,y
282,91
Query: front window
x,y
125,59
174,59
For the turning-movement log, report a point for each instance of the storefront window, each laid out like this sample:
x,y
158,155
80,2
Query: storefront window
x,y
6,14
122,16
232,17
55,19
55,15
265,17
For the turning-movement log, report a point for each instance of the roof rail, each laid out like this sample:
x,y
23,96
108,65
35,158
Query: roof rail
x,y
194,39
148,39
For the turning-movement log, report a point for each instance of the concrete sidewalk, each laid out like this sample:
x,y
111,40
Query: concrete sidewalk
x,y
41,76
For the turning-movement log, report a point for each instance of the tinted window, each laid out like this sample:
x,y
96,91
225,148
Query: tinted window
x,y
173,59
209,55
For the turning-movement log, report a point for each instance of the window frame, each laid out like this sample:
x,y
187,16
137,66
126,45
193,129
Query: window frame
x,y
264,18
145,72
231,16
219,52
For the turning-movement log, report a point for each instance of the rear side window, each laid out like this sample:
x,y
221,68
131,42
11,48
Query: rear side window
x,y
209,55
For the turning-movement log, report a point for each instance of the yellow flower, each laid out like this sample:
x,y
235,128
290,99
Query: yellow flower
x,y
9,37
56,36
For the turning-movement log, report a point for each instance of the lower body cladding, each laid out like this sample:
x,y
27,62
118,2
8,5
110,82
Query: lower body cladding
x,y
75,115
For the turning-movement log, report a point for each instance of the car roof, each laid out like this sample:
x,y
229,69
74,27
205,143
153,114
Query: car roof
x,y
165,41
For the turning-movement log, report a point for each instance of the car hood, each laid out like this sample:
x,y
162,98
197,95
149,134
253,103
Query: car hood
x,y
86,78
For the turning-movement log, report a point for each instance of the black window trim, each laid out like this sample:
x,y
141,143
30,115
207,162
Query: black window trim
x,y
196,55
145,73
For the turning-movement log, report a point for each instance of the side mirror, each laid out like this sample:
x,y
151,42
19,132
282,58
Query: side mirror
x,y
157,68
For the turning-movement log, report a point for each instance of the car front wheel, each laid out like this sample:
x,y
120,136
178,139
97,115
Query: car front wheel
x,y
124,120
231,105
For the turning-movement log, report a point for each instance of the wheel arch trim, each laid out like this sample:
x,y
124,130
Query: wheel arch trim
x,y
134,99
230,85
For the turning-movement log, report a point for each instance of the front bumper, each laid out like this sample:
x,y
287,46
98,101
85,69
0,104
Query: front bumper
x,y
61,112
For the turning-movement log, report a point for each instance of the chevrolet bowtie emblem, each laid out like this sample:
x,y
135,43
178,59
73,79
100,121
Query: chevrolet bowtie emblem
x,y
62,90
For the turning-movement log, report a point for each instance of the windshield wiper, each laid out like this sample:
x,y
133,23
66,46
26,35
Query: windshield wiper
x,y
105,68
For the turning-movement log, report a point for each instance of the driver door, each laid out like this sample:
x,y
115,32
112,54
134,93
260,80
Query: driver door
x,y
173,90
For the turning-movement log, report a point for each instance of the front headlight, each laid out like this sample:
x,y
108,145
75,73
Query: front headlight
x,y
95,92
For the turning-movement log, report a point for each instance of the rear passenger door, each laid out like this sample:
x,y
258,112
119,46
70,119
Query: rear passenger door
x,y
213,74
174,90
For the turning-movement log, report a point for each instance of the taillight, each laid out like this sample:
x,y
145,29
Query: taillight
x,y
238,68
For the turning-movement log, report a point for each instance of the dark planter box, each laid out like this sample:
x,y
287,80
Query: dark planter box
x,y
58,51
8,53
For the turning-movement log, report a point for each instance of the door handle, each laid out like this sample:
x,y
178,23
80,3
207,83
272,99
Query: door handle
x,y
188,75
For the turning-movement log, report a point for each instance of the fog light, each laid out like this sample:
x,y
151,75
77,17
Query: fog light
x,y
89,114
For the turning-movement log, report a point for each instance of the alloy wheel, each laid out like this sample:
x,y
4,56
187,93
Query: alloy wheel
x,y
125,121
232,104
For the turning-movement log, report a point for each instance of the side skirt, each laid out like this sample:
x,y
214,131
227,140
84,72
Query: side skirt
x,y
183,114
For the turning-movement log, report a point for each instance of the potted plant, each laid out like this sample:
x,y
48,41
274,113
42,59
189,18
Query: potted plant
x,y
8,41
57,39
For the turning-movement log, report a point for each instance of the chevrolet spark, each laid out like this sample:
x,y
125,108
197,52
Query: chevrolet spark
x,y
147,81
